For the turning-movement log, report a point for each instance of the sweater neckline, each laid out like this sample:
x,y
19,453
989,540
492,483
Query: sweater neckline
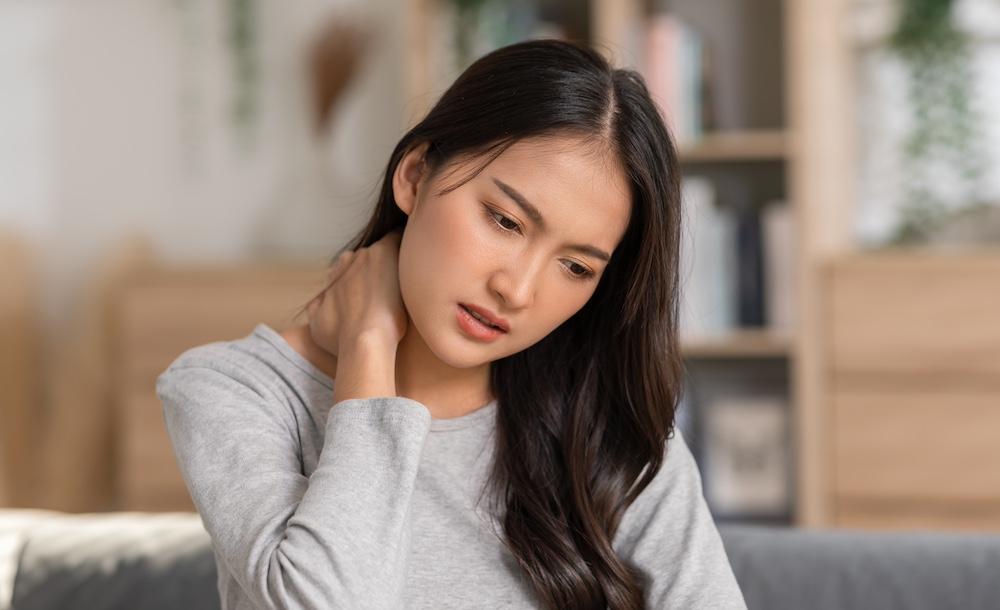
x,y
482,415
273,337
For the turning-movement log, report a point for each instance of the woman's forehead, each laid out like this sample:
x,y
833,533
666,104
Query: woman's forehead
x,y
563,167
559,181
565,170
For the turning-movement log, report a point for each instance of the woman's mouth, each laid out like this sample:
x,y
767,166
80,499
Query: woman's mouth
x,y
474,325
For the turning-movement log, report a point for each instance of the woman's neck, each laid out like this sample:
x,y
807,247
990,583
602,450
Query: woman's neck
x,y
422,376
446,391
300,339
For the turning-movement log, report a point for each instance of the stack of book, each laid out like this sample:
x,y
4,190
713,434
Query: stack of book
x,y
737,264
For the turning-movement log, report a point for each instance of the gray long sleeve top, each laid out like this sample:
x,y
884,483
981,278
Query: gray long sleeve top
x,y
373,503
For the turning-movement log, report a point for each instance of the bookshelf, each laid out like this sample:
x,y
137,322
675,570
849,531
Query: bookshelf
x,y
737,146
742,343
783,135
739,375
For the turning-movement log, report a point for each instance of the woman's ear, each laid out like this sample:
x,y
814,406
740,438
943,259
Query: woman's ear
x,y
406,179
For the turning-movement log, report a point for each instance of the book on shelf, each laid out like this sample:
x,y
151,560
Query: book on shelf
x,y
778,230
707,257
745,456
673,67
750,266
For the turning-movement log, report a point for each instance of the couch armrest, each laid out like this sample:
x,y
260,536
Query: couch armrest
x,y
104,561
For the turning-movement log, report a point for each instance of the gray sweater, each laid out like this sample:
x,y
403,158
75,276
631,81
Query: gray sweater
x,y
373,503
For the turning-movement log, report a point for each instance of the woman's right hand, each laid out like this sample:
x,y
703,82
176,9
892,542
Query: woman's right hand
x,y
362,298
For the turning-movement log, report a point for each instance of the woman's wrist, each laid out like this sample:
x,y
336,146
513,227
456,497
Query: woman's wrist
x,y
366,367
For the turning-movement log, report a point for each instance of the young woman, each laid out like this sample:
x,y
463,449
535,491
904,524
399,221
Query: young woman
x,y
479,412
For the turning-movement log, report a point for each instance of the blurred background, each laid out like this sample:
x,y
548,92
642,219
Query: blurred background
x,y
173,172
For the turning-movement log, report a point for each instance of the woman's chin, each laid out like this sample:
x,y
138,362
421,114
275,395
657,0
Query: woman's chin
x,y
453,346
456,350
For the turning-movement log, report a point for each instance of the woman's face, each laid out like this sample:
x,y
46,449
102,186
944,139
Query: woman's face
x,y
476,245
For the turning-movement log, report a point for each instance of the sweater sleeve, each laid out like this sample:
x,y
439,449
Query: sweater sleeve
x,y
669,535
336,539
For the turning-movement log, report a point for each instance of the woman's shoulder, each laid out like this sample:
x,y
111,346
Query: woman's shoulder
x,y
669,533
254,361
240,351
676,486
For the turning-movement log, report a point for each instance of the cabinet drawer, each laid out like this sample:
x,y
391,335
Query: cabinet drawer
x,y
916,313
917,515
907,445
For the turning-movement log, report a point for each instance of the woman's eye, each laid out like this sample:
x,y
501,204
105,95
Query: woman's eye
x,y
494,216
581,272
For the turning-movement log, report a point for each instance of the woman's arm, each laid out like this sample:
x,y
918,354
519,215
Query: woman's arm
x,y
669,534
336,539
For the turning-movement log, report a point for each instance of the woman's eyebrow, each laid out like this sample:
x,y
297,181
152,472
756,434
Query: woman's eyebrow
x,y
536,217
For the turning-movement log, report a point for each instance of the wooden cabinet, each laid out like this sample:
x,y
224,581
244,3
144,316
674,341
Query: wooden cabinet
x,y
914,390
162,312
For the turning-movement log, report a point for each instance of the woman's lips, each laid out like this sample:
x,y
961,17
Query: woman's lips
x,y
488,315
473,327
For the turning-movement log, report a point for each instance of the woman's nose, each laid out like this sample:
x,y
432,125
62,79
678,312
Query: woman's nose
x,y
516,283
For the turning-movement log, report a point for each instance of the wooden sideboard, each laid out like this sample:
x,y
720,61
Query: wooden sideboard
x,y
161,312
913,362
19,364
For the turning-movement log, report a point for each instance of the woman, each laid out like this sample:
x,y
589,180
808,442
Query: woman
x,y
479,411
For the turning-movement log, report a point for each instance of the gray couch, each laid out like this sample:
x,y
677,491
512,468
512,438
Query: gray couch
x,y
164,560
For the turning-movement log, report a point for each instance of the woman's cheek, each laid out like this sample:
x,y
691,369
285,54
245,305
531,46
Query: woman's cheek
x,y
486,243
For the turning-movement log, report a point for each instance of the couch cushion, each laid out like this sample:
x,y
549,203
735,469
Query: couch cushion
x,y
780,567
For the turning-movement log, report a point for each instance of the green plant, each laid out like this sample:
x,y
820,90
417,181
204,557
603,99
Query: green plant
x,y
498,23
943,132
466,13
242,37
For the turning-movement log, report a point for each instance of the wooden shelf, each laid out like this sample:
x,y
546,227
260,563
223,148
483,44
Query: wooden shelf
x,y
730,146
808,94
742,343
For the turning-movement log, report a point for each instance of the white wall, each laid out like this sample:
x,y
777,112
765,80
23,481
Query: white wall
x,y
113,121
27,31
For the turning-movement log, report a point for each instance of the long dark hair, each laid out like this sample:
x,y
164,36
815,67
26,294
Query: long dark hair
x,y
585,413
